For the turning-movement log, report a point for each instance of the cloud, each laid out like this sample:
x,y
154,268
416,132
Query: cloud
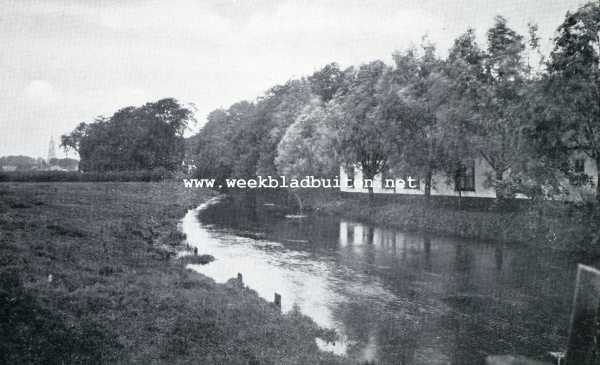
x,y
40,92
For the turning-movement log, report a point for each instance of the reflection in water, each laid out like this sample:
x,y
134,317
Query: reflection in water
x,y
394,297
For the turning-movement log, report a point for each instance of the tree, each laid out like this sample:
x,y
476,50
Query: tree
x,y
212,154
275,113
568,119
326,82
363,136
147,137
498,131
21,163
418,105
307,147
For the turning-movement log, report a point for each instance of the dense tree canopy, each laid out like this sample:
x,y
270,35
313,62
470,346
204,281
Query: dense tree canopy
x,y
307,147
428,115
567,116
134,138
424,114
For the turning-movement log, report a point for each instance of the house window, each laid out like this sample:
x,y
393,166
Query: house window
x,y
579,166
465,177
350,177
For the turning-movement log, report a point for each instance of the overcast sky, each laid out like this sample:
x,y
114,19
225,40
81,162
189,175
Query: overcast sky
x,y
64,62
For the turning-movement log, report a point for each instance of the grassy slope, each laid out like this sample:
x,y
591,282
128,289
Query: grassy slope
x,y
116,296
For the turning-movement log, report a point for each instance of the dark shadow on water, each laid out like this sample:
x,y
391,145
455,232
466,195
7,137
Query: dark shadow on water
x,y
397,297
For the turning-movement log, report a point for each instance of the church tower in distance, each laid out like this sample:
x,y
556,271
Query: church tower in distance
x,y
51,150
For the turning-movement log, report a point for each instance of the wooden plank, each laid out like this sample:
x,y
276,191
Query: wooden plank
x,y
584,335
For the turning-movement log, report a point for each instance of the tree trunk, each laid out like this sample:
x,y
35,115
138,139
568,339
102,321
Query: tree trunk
x,y
428,179
598,180
299,201
499,177
371,196
370,235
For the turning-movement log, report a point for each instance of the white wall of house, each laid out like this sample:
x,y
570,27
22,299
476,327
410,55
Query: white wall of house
x,y
442,186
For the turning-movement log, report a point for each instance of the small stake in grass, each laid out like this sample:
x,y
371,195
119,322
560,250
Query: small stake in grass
x,y
277,301
195,251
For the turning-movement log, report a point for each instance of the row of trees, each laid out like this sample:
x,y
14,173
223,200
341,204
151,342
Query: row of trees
x,y
26,163
427,114
149,137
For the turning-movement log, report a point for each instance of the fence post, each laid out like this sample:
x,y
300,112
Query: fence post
x,y
277,301
584,334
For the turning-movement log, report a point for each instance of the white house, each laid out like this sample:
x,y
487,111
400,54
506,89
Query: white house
x,y
473,181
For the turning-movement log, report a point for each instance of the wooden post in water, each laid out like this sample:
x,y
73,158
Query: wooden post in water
x,y
277,301
584,335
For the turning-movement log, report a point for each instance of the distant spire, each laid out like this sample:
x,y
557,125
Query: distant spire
x,y
51,150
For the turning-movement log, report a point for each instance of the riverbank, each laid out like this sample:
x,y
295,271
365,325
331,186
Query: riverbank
x,y
88,275
549,225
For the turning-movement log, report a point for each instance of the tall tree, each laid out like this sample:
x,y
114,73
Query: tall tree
x,y
213,155
363,137
568,121
275,113
307,147
498,134
142,138
326,82
418,106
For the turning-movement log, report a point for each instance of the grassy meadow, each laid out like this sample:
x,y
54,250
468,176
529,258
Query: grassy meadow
x,y
88,276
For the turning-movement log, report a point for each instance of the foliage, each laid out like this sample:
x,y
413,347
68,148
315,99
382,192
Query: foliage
x,y
498,134
429,116
22,163
307,146
142,138
418,104
567,117
362,136
243,139
326,82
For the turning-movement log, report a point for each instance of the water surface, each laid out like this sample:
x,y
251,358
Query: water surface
x,y
393,297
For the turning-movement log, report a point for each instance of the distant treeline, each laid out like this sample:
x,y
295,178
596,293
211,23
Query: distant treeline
x,y
527,114
25,163
75,176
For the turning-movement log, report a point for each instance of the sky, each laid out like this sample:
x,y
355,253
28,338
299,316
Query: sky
x,y
63,62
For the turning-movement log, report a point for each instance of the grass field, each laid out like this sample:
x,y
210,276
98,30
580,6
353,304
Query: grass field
x,y
86,277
